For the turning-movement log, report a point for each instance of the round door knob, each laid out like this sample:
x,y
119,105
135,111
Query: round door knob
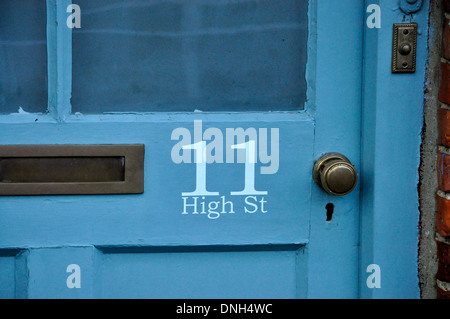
x,y
335,174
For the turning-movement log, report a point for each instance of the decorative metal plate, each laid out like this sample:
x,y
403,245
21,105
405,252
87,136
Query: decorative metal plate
x,y
404,47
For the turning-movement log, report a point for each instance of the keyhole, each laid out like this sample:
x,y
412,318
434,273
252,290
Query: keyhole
x,y
330,211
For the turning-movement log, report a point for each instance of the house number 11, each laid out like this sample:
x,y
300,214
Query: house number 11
x,y
200,160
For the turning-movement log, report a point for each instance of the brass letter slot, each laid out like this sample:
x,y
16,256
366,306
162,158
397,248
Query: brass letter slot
x,y
71,169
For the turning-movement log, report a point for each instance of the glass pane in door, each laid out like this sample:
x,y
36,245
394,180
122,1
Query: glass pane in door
x,y
161,55
23,56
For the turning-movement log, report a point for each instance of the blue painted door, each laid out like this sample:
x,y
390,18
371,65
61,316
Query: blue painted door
x,y
233,100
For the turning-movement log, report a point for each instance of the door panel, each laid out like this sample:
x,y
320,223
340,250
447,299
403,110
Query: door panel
x,y
7,265
156,217
249,222
222,272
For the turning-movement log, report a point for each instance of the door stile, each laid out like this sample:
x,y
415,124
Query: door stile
x,y
59,51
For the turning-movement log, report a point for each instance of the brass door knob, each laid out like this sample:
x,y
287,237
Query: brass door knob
x,y
335,174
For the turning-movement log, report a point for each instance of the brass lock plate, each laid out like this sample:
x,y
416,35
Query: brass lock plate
x,y
404,48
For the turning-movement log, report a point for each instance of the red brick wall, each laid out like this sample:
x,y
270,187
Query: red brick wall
x,y
443,166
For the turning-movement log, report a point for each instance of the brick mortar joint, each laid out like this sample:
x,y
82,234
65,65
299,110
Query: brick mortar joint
x,y
439,238
443,150
443,194
443,285
445,106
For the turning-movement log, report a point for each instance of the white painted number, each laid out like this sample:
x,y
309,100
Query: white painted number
x,y
200,160
250,160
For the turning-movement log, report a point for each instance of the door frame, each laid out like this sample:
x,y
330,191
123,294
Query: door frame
x,y
392,120
388,217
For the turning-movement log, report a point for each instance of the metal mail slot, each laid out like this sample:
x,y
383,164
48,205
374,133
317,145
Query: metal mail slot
x,y
71,169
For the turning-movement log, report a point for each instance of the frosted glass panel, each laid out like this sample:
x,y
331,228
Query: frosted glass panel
x,y
23,56
175,55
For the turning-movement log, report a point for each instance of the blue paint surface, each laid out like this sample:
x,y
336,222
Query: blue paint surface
x,y
392,125
267,250
7,280
155,217
334,100
225,274
143,246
